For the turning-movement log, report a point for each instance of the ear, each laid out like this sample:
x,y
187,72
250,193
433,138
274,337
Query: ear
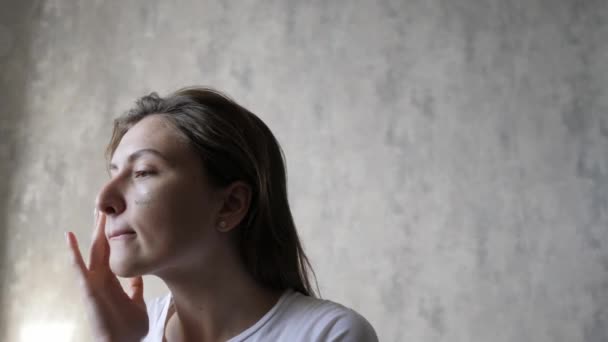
x,y
236,199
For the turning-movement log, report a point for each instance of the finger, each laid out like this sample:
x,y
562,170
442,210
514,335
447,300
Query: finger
x,y
136,291
77,262
100,250
95,221
75,253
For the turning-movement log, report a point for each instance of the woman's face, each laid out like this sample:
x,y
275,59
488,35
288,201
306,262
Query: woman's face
x,y
160,208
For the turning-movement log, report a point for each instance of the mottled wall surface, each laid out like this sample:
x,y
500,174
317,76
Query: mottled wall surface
x,y
448,160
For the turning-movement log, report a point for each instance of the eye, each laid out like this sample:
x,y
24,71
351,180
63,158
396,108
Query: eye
x,y
142,173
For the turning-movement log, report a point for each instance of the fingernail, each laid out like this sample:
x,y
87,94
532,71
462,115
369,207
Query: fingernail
x,y
65,235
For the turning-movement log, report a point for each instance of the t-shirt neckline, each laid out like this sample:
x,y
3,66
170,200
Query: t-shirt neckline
x,y
245,333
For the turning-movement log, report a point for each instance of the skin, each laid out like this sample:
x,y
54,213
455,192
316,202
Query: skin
x,y
159,192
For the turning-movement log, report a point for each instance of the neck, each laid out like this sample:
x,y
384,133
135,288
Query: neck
x,y
215,302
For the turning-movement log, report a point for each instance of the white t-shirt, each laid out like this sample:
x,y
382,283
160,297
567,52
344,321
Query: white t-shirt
x,y
293,318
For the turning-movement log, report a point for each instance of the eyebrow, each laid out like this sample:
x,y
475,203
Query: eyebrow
x,y
137,154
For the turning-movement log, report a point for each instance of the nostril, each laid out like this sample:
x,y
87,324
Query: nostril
x,y
109,210
110,200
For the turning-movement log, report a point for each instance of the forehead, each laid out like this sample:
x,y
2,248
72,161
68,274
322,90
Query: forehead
x,y
152,132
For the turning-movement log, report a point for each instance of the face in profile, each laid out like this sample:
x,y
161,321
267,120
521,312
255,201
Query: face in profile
x,y
159,204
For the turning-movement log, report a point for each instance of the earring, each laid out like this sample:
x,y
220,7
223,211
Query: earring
x,y
222,225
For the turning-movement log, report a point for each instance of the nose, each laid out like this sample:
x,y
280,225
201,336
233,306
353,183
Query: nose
x,y
110,199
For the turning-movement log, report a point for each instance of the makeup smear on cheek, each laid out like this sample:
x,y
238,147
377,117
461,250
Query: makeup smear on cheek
x,y
145,199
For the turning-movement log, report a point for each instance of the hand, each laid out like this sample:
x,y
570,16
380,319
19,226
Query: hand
x,y
115,315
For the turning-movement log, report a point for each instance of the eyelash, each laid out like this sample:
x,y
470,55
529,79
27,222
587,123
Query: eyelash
x,y
144,173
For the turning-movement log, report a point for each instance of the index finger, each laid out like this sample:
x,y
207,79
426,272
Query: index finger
x,y
77,260
100,250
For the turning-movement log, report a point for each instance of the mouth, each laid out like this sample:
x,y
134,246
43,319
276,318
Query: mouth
x,y
123,233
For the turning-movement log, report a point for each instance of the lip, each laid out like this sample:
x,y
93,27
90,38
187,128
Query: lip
x,y
122,233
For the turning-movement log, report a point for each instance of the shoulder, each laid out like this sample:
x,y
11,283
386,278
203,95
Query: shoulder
x,y
328,321
351,326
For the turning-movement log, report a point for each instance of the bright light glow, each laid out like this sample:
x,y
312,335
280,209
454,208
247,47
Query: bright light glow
x,y
47,331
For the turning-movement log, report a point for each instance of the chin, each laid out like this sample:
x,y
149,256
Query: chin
x,y
123,267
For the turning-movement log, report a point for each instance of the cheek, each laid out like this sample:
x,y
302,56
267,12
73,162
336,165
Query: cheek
x,y
153,207
144,198
170,212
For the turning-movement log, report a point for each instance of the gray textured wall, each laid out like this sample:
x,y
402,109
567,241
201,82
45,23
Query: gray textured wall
x,y
448,160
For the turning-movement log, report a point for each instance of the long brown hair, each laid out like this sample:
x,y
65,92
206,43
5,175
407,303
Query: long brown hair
x,y
235,145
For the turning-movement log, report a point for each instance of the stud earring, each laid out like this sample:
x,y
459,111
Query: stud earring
x,y
222,225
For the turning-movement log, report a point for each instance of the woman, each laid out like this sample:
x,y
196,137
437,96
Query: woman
x,y
198,197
